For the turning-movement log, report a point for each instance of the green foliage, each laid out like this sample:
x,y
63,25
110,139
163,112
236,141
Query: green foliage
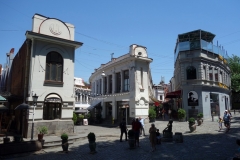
x,y
87,116
64,136
234,65
181,113
74,118
80,116
152,112
130,133
191,120
91,136
42,130
200,115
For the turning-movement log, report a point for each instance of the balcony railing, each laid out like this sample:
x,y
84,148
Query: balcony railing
x,y
185,46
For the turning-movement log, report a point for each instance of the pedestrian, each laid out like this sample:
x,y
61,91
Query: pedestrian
x,y
142,131
163,114
220,121
226,118
133,121
229,112
123,128
153,137
158,137
136,129
170,113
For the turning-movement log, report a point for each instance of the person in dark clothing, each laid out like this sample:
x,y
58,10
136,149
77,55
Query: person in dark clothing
x,y
136,128
123,128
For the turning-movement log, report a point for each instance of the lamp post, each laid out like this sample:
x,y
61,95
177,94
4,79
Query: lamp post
x,y
35,97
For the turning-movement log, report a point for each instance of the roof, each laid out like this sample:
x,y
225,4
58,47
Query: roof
x,y
196,35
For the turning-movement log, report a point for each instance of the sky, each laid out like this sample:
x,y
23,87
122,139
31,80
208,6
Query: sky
x,y
111,26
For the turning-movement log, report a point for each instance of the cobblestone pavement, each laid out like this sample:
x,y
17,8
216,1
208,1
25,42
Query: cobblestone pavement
x,y
204,144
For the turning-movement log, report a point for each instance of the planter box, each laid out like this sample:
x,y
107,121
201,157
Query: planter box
x,y
20,147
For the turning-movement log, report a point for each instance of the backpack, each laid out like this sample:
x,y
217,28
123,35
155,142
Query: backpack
x,y
226,117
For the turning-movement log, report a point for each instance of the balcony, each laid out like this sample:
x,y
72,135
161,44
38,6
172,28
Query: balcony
x,y
185,46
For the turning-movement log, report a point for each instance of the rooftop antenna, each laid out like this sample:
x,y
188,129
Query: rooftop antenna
x,y
112,55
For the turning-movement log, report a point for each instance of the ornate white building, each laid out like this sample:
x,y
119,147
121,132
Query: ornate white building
x,y
123,85
201,76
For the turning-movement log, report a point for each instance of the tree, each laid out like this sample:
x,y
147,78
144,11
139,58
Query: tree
x,y
234,64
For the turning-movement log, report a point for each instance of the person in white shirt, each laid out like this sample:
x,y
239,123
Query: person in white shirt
x,y
142,131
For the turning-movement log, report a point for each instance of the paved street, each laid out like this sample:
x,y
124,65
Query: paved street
x,y
204,144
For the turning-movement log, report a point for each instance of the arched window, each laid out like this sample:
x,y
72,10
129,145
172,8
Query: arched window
x,y
54,67
191,72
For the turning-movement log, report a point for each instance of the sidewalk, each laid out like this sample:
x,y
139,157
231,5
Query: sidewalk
x,y
204,144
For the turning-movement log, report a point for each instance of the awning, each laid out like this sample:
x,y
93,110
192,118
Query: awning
x,y
81,111
175,94
154,99
2,99
53,98
94,104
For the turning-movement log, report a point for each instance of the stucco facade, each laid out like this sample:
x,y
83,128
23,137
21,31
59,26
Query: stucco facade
x,y
125,86
201,72
44,66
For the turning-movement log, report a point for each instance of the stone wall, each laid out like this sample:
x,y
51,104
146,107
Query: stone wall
x,y
56,127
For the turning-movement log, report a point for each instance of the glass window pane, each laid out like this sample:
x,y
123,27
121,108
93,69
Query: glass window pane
x,y
53,72
59,73
47,72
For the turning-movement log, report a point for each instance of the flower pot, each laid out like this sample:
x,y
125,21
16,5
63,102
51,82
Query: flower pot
x,y
199,121
17,138
92,146
6,140
131,142
65,145
152,119
192,127
40,137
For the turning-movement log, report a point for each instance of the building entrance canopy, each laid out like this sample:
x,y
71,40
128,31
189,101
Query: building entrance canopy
x,y
175,94
53,98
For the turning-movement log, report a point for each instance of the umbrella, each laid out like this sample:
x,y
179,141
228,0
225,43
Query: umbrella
x,y
22,106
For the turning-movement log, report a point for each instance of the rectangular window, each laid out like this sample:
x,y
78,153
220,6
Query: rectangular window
x,y
118,82
160,97
110,84
142,77
216,75
105,85
126,80
100,86
97,87
210,74
204,72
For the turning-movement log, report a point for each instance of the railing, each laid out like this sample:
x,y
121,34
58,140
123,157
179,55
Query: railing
x,y
185,46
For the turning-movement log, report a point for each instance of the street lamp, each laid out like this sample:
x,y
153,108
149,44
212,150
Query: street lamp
x,y
35,97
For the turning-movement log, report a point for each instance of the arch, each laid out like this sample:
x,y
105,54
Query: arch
x,y
54,67
52,108
191,73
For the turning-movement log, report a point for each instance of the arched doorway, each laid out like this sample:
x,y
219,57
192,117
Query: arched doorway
x,y
52,108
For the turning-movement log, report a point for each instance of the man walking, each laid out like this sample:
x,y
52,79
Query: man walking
x,y
226,118
123,128
142,131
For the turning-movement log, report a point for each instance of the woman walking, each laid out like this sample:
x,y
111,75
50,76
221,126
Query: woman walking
x,y
153,137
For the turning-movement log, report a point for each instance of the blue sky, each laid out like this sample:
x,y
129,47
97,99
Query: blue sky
x,y
111,26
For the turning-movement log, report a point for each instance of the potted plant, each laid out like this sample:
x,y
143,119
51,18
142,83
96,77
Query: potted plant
x,y
41,131
131,139
199,118
80,119
65,144
152,114
92,144
181,114
192,125
6,139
